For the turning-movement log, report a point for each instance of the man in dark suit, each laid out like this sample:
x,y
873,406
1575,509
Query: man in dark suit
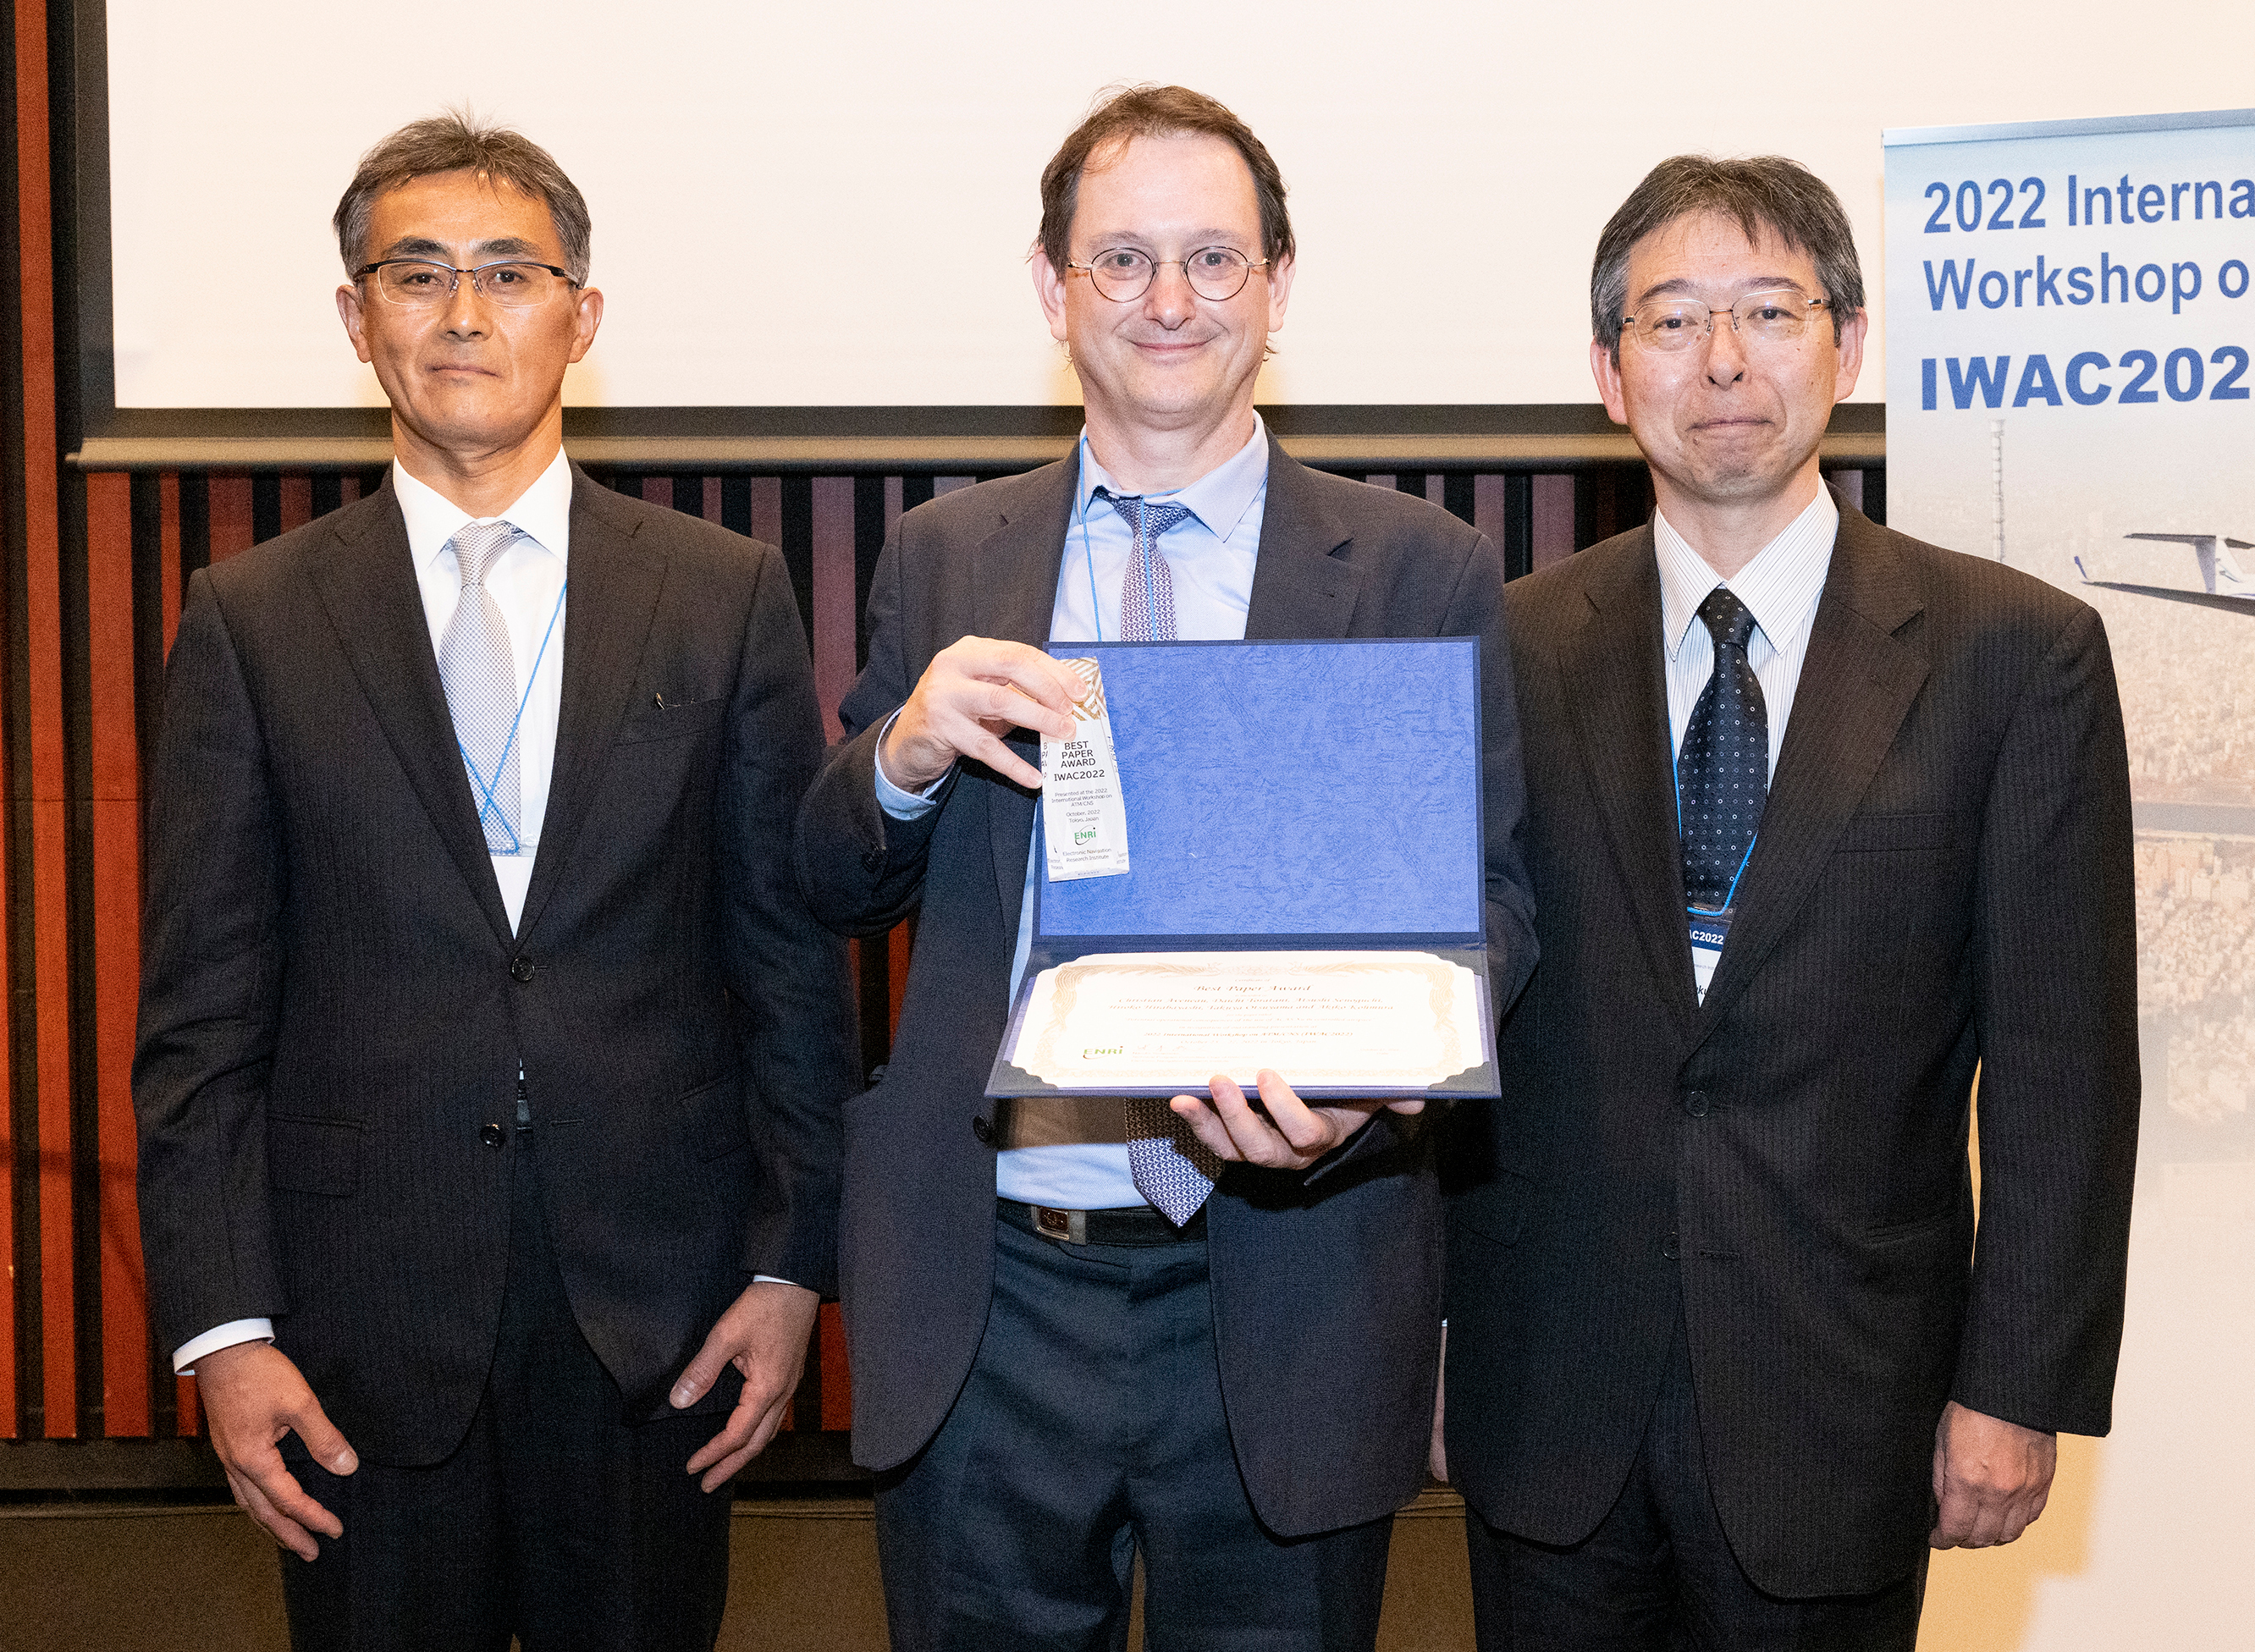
x,y
1084,1330
489,1060
1819,818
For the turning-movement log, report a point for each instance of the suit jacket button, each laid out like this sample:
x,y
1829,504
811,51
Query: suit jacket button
x,y
520,969
1671,1247
983,1129
492,1135
1695,1103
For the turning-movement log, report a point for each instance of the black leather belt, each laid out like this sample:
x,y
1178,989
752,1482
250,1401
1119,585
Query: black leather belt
x,y
1136,1225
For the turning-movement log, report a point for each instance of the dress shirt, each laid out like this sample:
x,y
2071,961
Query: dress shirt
x,y
527,583
1071,1152
1779,588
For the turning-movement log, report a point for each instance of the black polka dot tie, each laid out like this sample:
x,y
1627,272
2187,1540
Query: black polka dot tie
x,y
1723,772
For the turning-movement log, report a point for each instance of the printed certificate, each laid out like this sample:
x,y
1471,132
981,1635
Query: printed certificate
x,y
1398,1022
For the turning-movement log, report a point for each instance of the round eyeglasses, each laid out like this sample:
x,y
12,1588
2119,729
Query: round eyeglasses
x,y
426,284
1760,317
1216,273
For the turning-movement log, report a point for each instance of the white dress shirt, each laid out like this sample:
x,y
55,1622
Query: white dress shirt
x,y
1779,588
527,583
1070,1154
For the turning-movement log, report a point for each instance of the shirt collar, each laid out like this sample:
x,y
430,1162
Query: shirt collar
x,y
1780,586
1218,498
543,512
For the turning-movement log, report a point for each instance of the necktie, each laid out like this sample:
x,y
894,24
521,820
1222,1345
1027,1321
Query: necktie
x,y
1172,1168
1722,774
481,683
1146,590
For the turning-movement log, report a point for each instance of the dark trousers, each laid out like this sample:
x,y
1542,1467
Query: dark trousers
x,y
1658,1574
554,1520
1091,1429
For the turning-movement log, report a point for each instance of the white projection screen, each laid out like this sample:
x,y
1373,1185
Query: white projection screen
x,y
861,174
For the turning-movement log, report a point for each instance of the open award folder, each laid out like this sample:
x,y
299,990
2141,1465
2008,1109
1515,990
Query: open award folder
x,y
1304,879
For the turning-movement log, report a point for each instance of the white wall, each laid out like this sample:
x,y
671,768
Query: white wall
x,y
814,149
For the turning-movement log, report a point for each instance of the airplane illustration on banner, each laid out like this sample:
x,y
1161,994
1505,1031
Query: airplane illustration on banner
x,y
2224,584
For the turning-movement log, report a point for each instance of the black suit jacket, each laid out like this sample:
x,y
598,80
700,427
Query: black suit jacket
x,y
1943,878
333,1007
1325,1286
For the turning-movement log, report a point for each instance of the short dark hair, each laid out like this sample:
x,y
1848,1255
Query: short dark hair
x,y
1768,192
459,142
1122,113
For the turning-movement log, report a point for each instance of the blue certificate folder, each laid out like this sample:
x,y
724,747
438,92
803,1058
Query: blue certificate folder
x,y
1281,796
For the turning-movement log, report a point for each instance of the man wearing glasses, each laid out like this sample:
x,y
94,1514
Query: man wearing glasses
x,y
490,1061
1086,1331
1820,818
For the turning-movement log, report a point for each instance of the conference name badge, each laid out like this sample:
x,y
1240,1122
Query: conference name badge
x,y
1710,929
1084,820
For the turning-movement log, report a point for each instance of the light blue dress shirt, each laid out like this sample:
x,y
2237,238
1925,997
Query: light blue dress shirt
x,y
1071,1153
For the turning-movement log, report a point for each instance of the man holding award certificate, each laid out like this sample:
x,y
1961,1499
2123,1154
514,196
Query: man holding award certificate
x,y
1087,1324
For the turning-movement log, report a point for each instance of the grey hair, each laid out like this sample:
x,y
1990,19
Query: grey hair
x,y
1768,192
459,142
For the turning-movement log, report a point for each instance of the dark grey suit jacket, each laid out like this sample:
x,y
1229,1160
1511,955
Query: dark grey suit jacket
x,y
333,1007
1942,878
1325,1286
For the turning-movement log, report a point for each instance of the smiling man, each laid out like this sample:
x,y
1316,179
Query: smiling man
x,y
490,1062
1088,1330
1820,818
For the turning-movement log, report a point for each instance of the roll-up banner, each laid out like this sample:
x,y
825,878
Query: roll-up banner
x,y
2070,335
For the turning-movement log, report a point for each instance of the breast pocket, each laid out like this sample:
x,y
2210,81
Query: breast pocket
x,y
672,720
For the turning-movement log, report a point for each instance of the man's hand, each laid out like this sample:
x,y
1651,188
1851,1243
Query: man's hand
x,y
1437,1458
1990,1478
252,1395
972,693
764,1334
1292,1136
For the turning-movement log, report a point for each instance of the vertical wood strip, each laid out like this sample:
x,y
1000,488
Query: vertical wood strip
x,y
49,811
231,529
1437,486
837,1380
297,502
115,778
709,509
1488,508
834,596
1554,519
168,496
767,510
658,490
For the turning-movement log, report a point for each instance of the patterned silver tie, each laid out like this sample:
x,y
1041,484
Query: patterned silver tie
x,y
1146,590
480,681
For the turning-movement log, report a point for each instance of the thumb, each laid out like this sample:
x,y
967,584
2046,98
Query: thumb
x,y
321,1438
703,1371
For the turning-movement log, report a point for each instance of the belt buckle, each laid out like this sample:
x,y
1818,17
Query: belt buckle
x,y
1069,1226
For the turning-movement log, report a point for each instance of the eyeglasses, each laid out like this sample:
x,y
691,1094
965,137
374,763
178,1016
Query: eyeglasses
x,y
1124,275
420,282
1759,319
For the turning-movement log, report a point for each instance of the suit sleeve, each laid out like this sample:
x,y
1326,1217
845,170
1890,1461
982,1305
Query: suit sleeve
x,y
862,871
788,973
2054,951
211,975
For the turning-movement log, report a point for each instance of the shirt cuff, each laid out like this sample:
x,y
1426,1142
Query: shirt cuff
x,y
895,802
769,1278
223,1336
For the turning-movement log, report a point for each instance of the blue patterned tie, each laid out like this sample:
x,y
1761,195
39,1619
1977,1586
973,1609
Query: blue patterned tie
x,y
1146,590
1172,1167
480,681
1723,772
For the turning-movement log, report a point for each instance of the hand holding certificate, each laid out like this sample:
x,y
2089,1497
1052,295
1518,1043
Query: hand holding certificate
x,y
973,694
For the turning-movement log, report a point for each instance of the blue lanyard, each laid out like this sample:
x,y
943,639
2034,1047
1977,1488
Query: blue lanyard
x,y
1088,557
486,786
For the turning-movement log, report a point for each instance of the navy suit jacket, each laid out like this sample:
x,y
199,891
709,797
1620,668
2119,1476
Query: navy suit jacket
x,y
1325,1284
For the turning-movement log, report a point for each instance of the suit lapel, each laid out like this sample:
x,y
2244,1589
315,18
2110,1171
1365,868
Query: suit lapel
x,y
1612,677
367,586
1015,571
615,582
1858,680
1300,588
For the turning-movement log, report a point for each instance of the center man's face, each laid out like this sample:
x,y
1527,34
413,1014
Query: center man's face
x,y
468,375
1728,418
1169,359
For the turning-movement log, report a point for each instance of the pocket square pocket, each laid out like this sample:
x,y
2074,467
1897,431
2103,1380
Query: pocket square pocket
x,y
666,718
